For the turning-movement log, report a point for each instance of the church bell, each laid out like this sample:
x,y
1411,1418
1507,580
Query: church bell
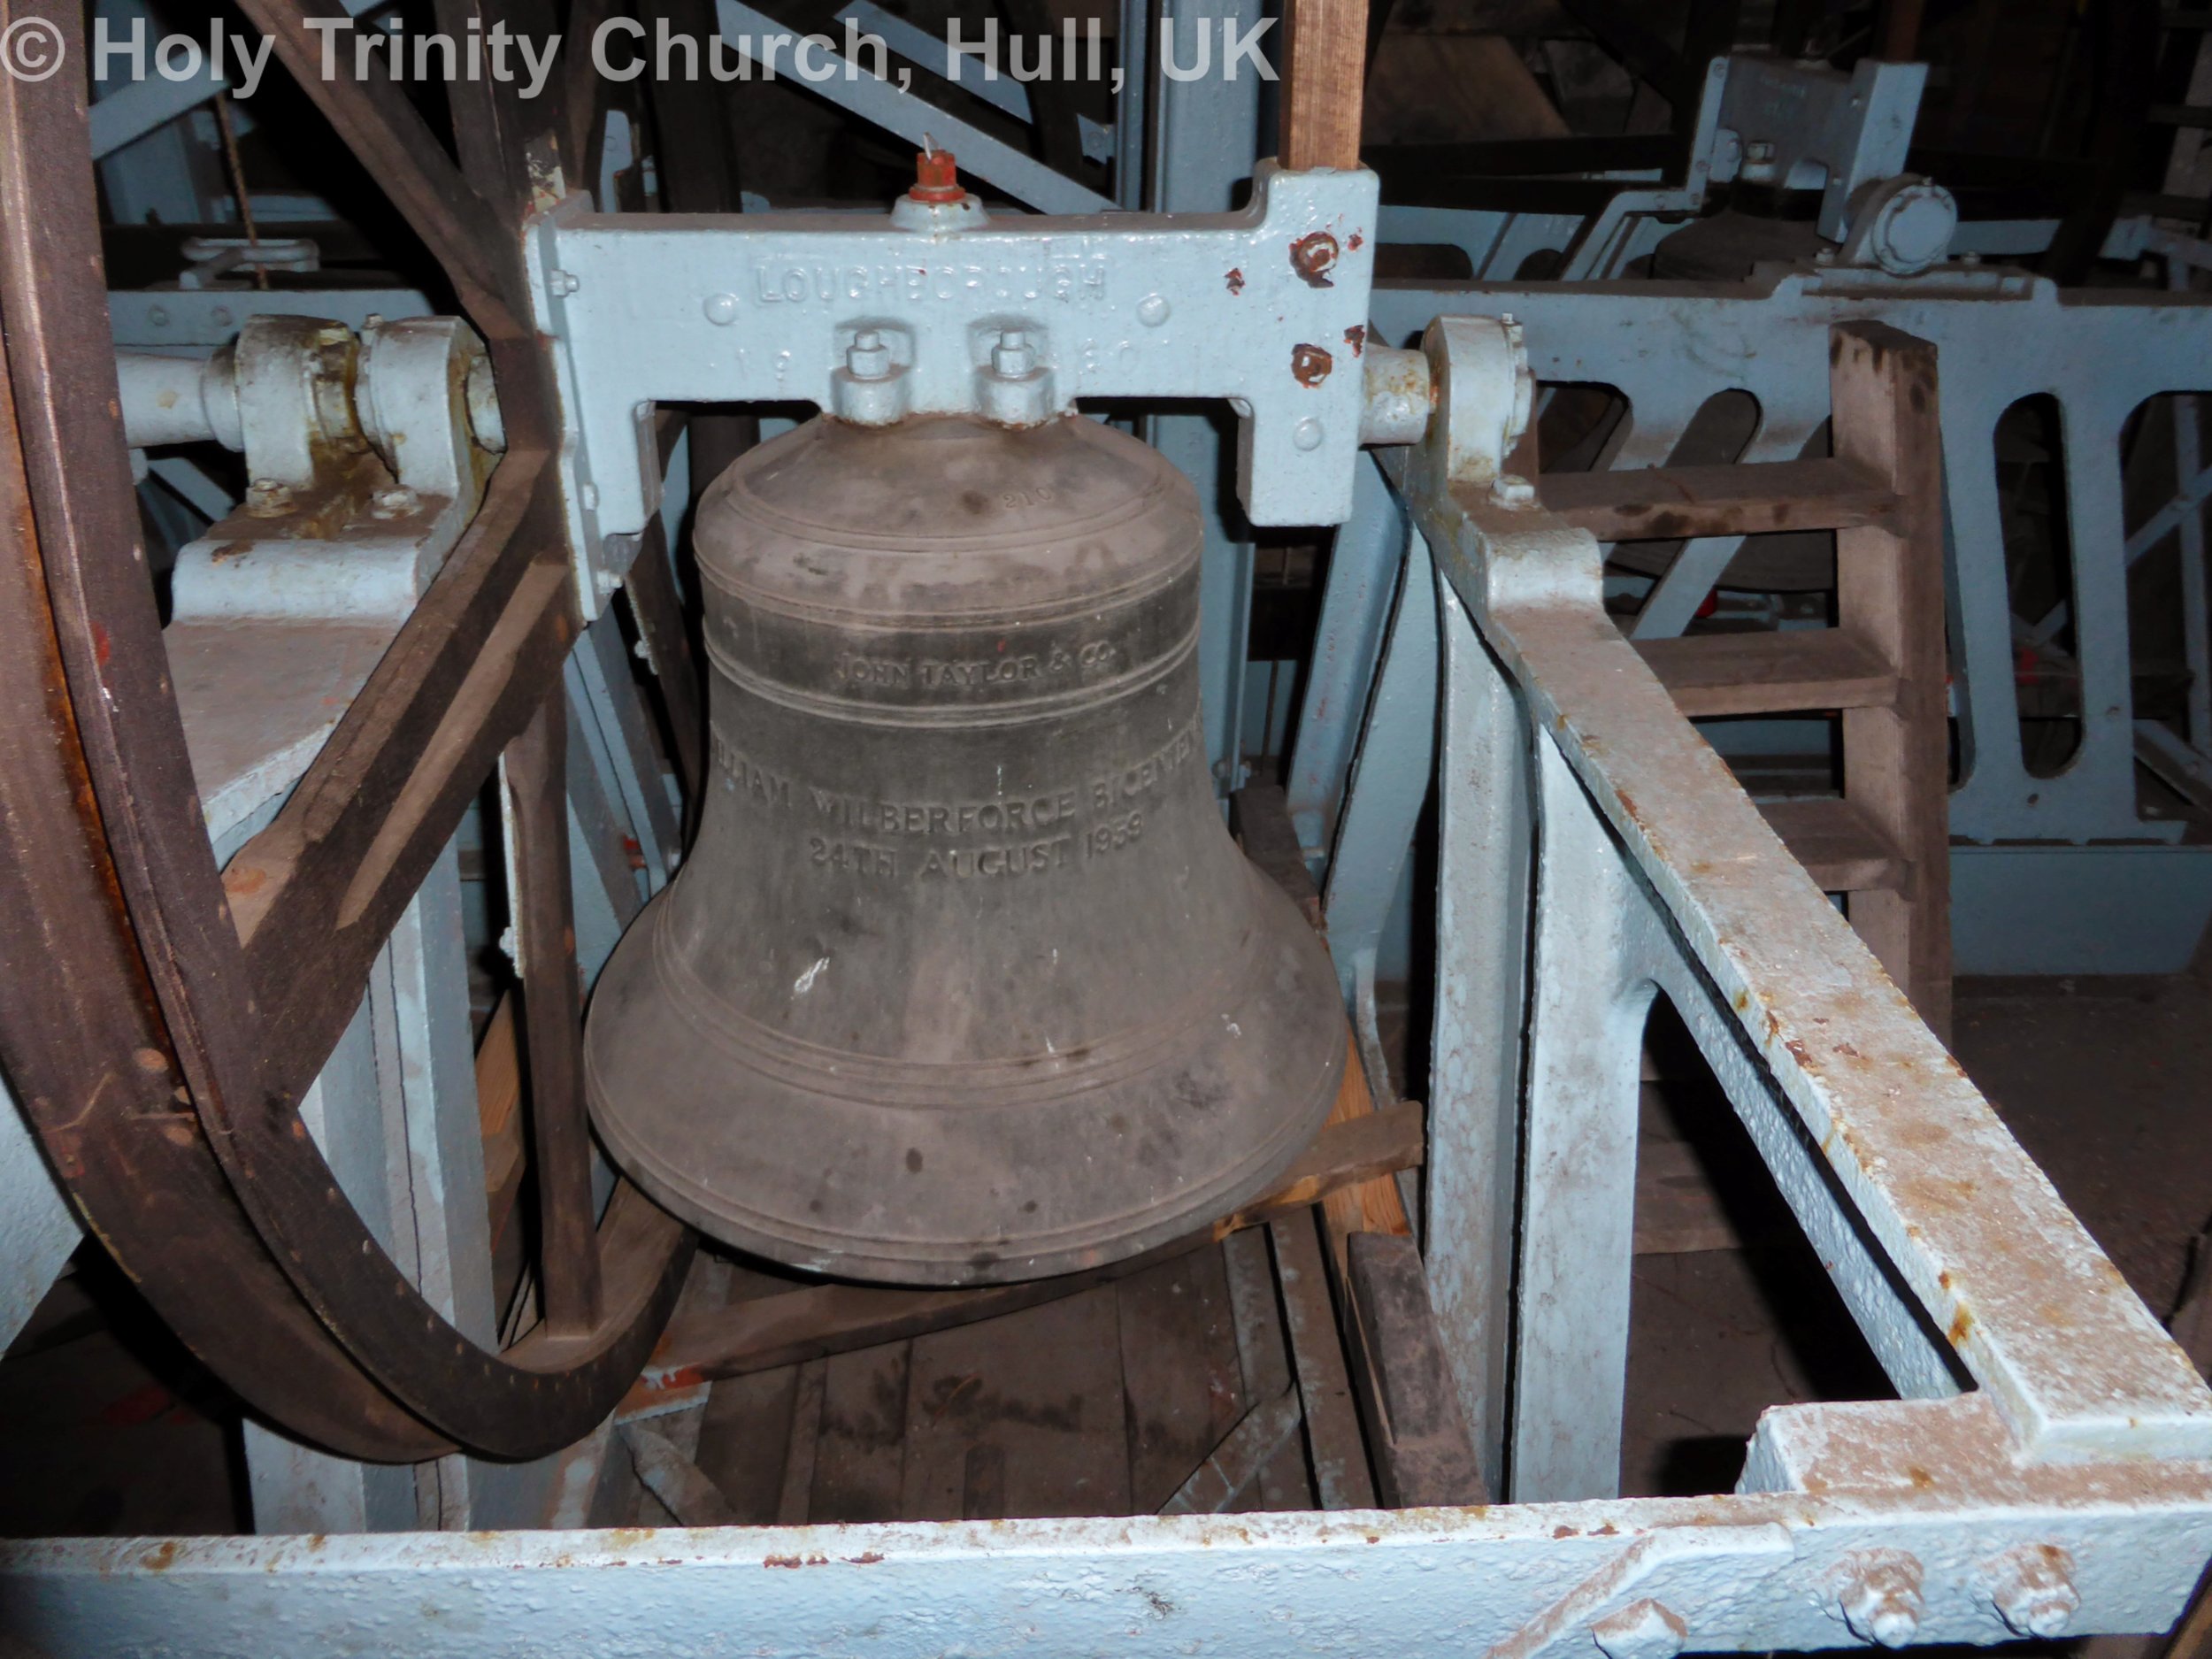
x,y
963,980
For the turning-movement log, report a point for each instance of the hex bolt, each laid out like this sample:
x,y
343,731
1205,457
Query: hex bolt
x,y
2033,1590
1511,489
868,358
1877,1594
1642,1629
267,498
1012,357
395,503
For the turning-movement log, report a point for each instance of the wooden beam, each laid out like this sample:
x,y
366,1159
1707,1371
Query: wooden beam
x,y
1668,503
1333,1443
824,1319
1889,592
1771,671
1324,65
1423,1452
1842,849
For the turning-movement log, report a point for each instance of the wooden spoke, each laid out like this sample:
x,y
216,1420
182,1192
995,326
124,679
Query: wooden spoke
x,y
121,1133
329,1335
399,150
316,892
552,1016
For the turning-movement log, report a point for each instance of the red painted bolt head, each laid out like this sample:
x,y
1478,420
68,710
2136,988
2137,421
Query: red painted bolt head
x,y
935,177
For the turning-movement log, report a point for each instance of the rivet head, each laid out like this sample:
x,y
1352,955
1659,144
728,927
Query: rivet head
x,y
1878,1596
1306,434
1642,1629
2033,1590
720,309
1152,310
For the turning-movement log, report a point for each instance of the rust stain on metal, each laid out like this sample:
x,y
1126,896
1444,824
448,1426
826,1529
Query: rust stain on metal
x,y
1309,364
1356,337
1236,279
1312,255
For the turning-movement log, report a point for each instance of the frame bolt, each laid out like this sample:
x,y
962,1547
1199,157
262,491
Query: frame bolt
x,y
1642,1629
720,309
1306,434
2033,1590
563,282
868,358
1511,489
267,498
1152,310
1878,1594
1012,357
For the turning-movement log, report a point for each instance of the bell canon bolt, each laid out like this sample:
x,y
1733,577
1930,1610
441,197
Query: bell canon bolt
x,y
963,980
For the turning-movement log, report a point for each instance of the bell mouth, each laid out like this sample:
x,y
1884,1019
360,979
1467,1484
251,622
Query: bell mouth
x,y
965,1173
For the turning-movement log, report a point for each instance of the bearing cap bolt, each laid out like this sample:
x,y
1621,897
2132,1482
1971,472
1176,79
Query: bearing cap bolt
x,y
1012,357
868,358
267,498
2033,1591
936,180
1879,1596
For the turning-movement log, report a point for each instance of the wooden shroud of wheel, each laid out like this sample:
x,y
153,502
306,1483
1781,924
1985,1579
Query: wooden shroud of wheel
x,y
163,1020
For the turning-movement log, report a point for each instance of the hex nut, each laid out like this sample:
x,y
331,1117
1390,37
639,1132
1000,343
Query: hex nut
x,y
1511,489
1013,356
868,358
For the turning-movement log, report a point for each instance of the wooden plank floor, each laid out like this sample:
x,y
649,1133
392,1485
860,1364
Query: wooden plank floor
x,y
1099,1404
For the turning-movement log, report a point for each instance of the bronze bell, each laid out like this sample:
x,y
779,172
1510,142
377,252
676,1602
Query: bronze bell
x,y
963,981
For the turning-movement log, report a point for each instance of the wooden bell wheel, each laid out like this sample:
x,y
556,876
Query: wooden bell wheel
x,y
163,1020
